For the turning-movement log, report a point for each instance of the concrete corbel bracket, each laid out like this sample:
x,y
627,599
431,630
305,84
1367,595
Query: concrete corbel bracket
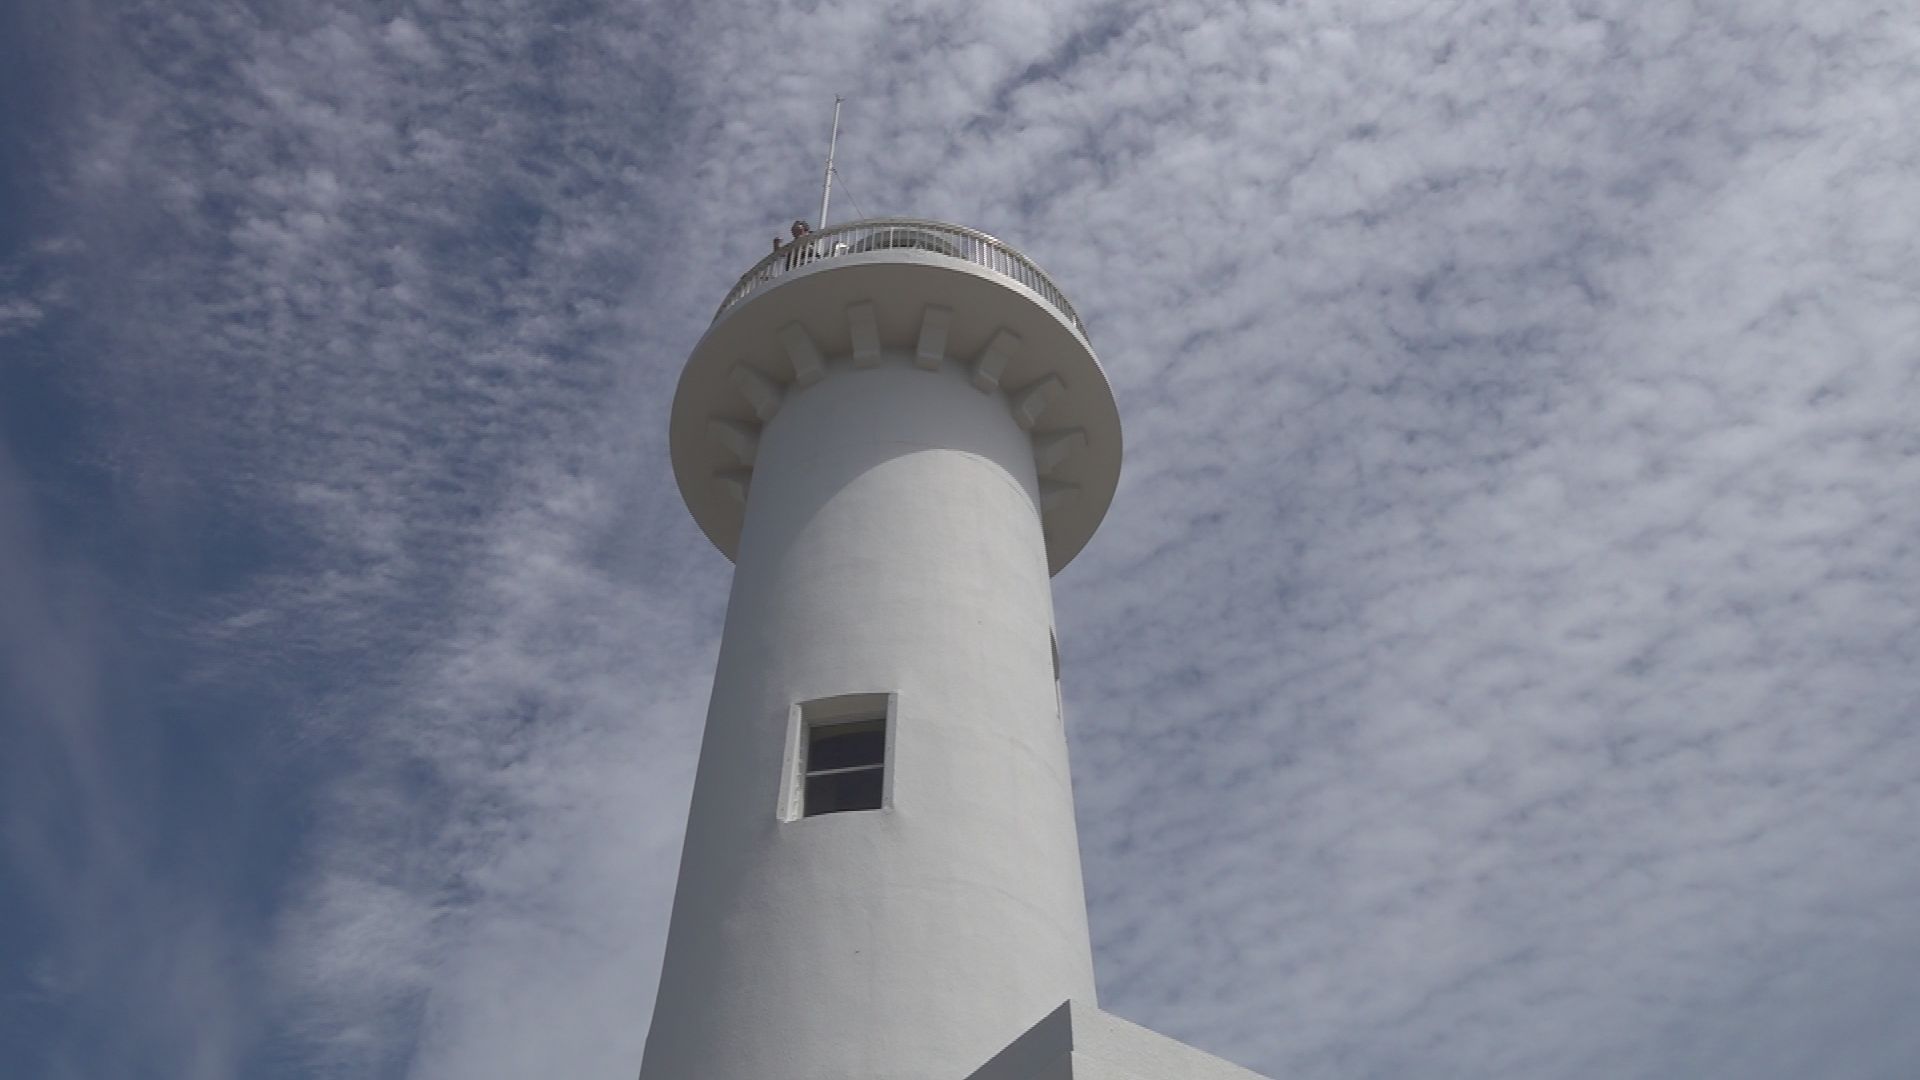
x,y
865,331
808,366
1055,494
932,347
1052,448
762,393
1029,404
742,440
993,360
734,484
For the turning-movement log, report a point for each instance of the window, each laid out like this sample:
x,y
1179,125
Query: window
x,y
839,754
1059,699
845,767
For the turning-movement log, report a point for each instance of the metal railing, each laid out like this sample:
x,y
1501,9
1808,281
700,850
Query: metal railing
x,y
882,234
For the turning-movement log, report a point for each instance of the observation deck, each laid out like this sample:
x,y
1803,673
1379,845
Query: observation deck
x,y
913,292
903,234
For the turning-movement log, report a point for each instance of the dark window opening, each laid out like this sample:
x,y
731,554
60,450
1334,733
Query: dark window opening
x,y
845,767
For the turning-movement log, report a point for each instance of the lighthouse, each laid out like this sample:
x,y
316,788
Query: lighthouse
x,y
898,431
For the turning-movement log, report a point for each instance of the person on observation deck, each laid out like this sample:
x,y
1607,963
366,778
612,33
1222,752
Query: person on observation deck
x,y
798,252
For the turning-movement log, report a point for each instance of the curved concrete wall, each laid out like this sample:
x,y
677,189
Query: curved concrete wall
x,y
892,545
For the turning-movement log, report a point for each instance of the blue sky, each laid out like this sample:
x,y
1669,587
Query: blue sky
x,y
1502,658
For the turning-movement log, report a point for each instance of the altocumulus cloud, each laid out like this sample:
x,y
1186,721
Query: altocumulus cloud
x,y
1501,661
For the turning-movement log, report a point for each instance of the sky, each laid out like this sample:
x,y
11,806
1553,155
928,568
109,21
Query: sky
x,y
1501,660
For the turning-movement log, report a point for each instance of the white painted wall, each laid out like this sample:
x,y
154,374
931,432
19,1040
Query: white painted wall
x,y
891,543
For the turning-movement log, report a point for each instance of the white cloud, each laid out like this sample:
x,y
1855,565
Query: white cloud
x,y
1500,659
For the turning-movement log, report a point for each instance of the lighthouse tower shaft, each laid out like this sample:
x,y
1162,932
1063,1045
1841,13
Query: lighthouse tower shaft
x,y
899,432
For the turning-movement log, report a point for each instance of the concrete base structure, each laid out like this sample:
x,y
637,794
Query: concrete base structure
x,y
1079,1042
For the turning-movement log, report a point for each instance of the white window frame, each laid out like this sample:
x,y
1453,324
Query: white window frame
x,y
1059,694
804,716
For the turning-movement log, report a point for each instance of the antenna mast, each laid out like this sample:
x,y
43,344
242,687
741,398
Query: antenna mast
x,y
826,189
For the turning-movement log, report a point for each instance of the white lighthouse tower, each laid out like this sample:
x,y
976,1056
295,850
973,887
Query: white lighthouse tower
x,y
898,431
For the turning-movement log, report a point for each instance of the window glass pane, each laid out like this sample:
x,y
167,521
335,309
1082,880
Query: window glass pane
x,y
836,792
841,746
